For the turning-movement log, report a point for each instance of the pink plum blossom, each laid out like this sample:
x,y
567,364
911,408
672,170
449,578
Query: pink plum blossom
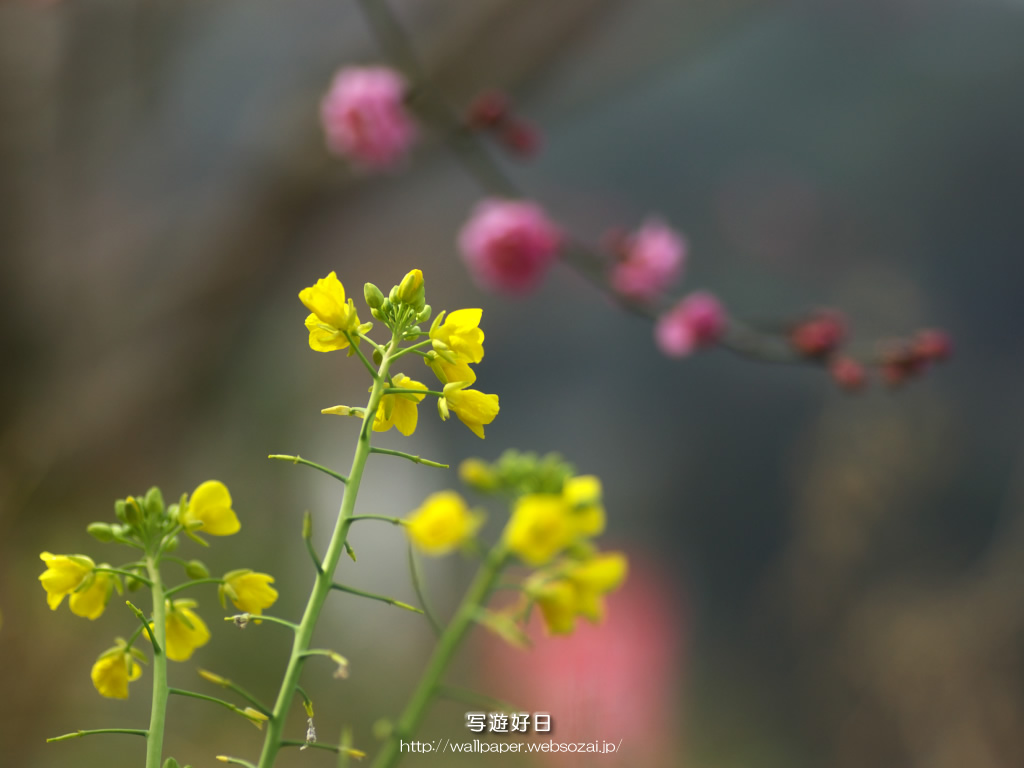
x,y
697,321
508,245
652,259
365,118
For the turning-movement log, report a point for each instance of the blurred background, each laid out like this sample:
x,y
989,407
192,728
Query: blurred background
x,y
819,580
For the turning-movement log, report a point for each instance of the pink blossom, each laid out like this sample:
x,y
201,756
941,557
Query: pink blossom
x,y
697,321
365,118
617,680
508,245
652,258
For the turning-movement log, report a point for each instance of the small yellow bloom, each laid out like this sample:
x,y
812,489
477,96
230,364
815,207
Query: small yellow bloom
x,y
442,523
474,409
477,474
332,316
113,671
250,592
593,579
399,410
583,495
461,333
89,601
63,575
541,527
451,373
185,630
255,717
411,289
210,505
557,603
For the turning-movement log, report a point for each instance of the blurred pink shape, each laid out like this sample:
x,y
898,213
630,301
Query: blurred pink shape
x,y
508,245
697,321
652,259
365,118
617,680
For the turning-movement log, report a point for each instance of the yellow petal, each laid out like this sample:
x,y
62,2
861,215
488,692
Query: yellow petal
x,y
326,300
182,639
90,602
474,409
324,338
210,504
442,523
253,592
540,528
558,606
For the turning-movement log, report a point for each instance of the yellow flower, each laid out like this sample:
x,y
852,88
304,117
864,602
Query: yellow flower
x,y
450,373
210,505
557,603
583,495
593,579
474,409
541,526
461,333
332,316
477,474
89,601
250,592
442,523
113,671
185,630
399,410
63,575
411,290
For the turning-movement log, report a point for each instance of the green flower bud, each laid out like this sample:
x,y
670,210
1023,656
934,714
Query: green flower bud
x,y
393,295
172,545
377,314
170,762
424,314
153,503
374,298
411,290
377,357
195,569
131,583
101,531
413,332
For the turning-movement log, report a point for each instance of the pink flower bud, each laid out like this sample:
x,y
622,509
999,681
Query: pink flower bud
x,y
365,118
933,345
848,374
508,245
520,138
488,110
697,321
652,259
819,335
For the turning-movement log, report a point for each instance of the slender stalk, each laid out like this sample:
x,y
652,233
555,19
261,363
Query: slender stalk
x,y
325,578
158,712
122,572
308,463
430,684
409,456
94,731
193,583
374,596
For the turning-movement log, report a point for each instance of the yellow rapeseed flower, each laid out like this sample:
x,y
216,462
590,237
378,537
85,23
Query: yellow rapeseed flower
x,y
399,410
557,603
441,523
210,504
331,315
90,600
474,409
540,528
451,373
113,671
63,575
461,333
583,495
593,579
185,630
250,592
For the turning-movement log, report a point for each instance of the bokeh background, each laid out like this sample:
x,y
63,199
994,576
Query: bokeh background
x,y
819,580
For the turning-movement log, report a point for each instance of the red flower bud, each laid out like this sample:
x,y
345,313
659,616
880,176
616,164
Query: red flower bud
x,y
488,110
848,374
819,335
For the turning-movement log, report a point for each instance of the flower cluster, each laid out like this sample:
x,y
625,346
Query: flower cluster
x,y
454,343
146,524
554,516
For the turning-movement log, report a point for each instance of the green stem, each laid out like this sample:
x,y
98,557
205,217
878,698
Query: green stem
x,y
256,618
325,578
355,346
79,734
430,683
211,699
406,391
409,456
414,348
308,463
373,596
416,574
194,582
385,518
158,713
129,574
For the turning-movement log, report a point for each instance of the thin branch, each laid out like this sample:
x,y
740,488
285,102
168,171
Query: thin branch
x,y
409,456
94,731
308,463
417,584
372,596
